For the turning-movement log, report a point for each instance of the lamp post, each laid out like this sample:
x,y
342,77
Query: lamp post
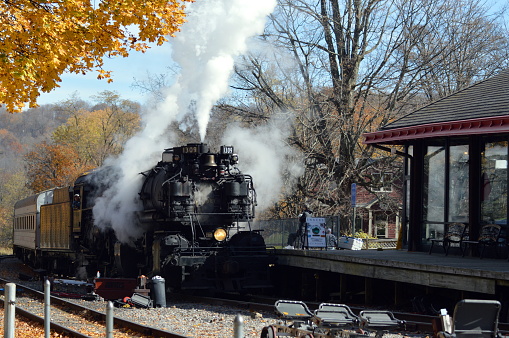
x,y
354,204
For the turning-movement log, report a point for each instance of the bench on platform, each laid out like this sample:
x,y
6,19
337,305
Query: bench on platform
x,y
488,237
454,233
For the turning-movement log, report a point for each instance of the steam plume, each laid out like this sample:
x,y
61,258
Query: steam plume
x,y
207,63
215,33
265,155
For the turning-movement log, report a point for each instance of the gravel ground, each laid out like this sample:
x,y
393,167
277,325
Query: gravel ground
x,y
188,319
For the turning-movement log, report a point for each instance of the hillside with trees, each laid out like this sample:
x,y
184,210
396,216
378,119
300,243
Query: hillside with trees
x,y
335,68
52,145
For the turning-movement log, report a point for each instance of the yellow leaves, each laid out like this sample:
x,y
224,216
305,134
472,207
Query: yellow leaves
x,y
52,166
82,143
42,40
101,133
103,74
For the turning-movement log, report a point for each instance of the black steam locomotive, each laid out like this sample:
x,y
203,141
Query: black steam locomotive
x,y
196,213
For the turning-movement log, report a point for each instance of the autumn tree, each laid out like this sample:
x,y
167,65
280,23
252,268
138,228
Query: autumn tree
x,y
87,138
346,67
52,165
42,40
12,189
8,142
100,133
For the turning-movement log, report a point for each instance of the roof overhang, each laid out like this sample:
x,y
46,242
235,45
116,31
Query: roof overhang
x,y
479,126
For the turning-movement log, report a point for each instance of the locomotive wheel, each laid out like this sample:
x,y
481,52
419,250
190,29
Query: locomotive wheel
x,y
268,332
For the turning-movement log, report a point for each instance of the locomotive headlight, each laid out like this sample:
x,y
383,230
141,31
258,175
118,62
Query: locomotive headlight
x,y
220,234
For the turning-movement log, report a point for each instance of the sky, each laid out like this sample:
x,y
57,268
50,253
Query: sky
x,y
125,70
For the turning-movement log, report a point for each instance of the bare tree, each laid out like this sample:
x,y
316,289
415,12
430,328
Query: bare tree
x,y
346,67
469,45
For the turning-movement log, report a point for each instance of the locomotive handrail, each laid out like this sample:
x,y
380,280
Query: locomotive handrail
x,y
238,250
216,213
177,174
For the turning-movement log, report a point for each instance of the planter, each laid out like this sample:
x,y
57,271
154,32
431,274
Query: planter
x,y
350,243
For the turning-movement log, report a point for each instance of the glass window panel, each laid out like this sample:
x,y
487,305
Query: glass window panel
x,y
494,183
383,182
434,184
458,183
433,192
387,182
407,182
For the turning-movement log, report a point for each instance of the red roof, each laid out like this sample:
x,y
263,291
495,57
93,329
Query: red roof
x,y
479,126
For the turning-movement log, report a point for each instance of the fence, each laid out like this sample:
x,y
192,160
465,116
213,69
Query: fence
x,y
276,232
10,315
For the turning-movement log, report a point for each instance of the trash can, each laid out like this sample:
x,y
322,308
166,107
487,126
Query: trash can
x,y
159,291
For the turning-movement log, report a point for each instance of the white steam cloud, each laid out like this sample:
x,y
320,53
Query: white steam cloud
x,y
265,155
216,32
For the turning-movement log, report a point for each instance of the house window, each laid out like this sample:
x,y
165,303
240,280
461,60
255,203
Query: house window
x,y
383,182
381,225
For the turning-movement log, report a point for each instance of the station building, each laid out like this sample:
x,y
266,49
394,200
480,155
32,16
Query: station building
x,y
456,153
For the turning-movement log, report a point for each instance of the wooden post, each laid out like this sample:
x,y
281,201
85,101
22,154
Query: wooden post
x,y
342,287
398,293
368,290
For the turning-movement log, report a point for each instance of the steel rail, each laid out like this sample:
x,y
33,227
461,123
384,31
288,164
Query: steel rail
x,y
53,326
119,323
414,322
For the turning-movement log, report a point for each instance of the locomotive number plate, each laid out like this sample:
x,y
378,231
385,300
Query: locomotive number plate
x,y
226,149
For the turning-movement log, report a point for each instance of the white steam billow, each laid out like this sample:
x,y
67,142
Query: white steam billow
x,y
215,33
207,62
265,155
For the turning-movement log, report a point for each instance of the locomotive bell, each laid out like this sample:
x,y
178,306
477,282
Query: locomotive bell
x,y
210,161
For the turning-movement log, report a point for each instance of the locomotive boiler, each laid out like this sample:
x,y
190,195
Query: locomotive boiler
x,y
196,212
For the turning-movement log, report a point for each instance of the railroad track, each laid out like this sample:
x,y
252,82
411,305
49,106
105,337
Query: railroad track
x,y
76,315
414,322
180,318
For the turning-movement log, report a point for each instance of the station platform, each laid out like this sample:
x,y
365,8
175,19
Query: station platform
x,y
487,277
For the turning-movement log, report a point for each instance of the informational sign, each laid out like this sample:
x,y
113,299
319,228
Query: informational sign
x,y
354,194
315,227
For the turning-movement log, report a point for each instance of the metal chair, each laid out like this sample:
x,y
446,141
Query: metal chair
x,y
474,318
455,233
489,236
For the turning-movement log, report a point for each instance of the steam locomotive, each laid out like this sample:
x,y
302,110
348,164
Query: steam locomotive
x,y
196,212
